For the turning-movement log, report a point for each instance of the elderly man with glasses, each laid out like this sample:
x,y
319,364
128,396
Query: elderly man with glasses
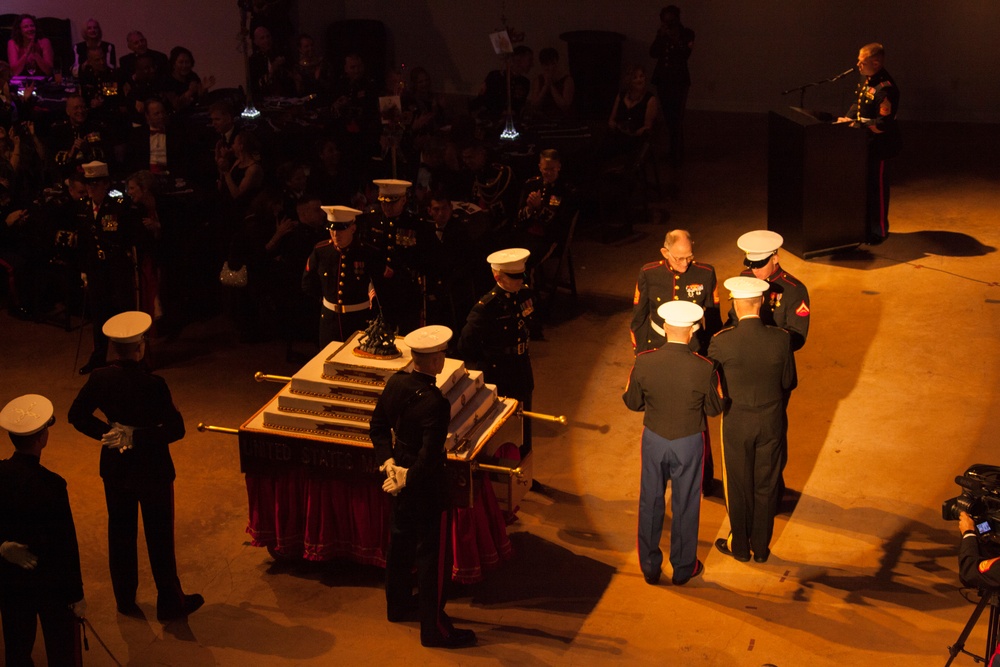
x,y
676,277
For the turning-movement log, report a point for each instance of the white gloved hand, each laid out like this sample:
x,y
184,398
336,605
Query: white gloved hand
x,y
388,467
18,554
395,482
119,437
79,608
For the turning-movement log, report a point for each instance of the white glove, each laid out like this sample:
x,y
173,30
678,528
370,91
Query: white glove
x,y
19,555
395,482
387,467
119,437
79,608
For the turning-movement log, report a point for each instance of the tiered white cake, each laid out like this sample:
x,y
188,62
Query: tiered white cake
x,y
333,396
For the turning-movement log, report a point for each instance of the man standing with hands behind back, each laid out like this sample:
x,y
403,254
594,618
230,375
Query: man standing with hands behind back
x,y
136,467
409,427
39,557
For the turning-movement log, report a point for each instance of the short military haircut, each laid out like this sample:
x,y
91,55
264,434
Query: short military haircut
x,y
22,442
550,154
674,236
874,50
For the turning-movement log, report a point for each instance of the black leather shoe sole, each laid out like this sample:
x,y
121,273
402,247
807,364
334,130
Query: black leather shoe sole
x,y
722,546
699,569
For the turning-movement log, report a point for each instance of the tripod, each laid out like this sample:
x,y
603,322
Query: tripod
x,y
987,596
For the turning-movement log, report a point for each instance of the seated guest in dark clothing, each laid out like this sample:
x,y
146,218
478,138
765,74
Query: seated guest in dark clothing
x,y
155,145
141,85
491,185
311,73
492,99
93,43
183,87
328,178
76,140
552,90
426,107
103,89
293,176
269,75
138,47
546,209
633,114
356,114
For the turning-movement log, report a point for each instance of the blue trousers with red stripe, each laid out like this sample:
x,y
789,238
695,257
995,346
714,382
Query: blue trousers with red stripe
x,y
877,211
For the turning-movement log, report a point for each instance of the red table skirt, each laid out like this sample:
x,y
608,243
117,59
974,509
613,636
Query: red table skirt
x,y
318,518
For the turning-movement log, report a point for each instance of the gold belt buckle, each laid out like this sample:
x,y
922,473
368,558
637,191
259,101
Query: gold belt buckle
x,y
522,348
100,254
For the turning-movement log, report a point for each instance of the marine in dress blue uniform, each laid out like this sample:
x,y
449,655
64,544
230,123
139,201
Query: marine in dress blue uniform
x,y
39,557
875,109
409,427
136,466
496,334
675,388
341,271
758,370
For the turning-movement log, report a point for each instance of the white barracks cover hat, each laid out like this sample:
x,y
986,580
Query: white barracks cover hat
x,y
745,287
759,244
127,327
341,217
428,339
94,170
27,414
390,189
510,260
680,313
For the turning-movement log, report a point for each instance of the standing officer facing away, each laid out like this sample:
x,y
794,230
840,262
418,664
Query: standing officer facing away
x,y
136,467
758,370
676,389
39,557
409,427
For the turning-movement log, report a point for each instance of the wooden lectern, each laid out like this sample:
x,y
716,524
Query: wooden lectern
x,y
815,182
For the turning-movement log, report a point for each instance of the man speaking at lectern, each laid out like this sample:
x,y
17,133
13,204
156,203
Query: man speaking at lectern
x,y
875,110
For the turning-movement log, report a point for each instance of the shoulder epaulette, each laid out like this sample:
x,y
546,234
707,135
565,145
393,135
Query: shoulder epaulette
x,y
723,330
323,243
653,265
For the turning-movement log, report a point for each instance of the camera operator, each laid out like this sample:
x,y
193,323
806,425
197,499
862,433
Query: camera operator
x,y
973,568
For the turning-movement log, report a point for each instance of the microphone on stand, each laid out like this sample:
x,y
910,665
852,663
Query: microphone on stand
x,y
842,75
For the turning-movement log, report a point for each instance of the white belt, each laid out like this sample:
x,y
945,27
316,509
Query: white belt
x,y
353,308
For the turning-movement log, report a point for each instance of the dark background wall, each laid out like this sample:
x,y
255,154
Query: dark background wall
x,y
944,56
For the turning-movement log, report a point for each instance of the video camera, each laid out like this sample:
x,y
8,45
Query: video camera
x,y
980,499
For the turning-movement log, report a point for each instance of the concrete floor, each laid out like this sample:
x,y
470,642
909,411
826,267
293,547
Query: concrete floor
x,y
898,382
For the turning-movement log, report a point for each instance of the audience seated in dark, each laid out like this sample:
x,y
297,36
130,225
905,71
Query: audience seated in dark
x,y
293,178
269,73
546,209
424,106
311,74
138,46
76,140
157,145
633,114
103,89
140,86
552,90
183,87
491,102
491,185
28,51
328,179
93,42
357,121
141,187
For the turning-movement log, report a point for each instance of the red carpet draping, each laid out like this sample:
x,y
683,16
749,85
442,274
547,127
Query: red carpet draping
x,y
321,518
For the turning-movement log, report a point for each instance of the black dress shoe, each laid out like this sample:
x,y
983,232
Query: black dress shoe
x,y
131,609
652,579
762,557
876,240
722,545
88,367
189,604
699,569
456,638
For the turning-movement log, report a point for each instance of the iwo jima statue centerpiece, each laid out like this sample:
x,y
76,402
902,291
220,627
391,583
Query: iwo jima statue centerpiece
x,y
314,487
